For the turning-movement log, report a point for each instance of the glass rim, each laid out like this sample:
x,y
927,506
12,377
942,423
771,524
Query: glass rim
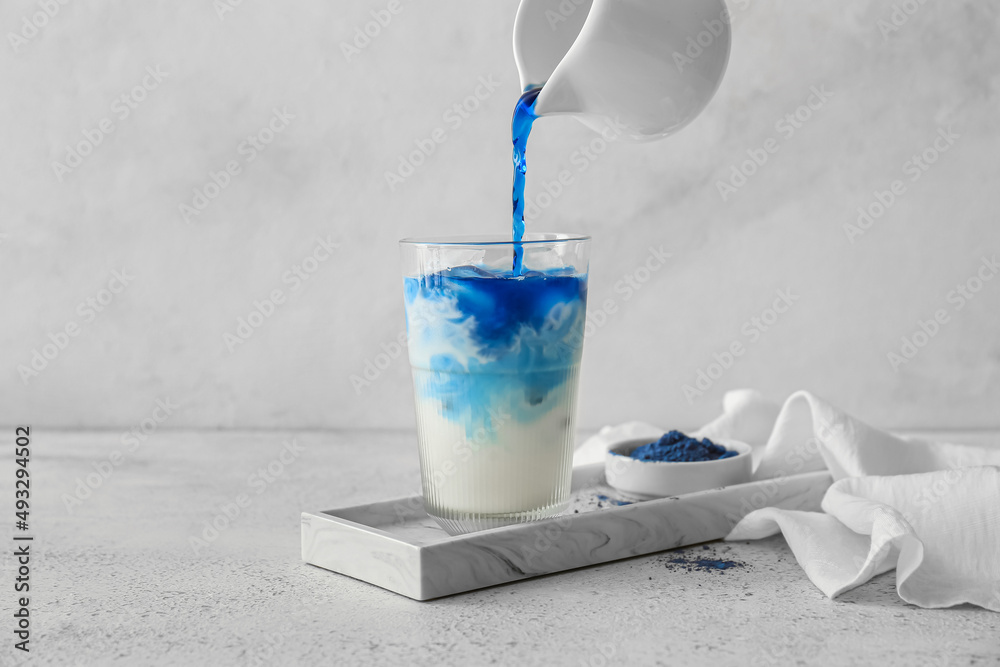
x,y
472,240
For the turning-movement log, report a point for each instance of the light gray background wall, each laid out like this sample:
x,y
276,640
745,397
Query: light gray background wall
x,y
162,337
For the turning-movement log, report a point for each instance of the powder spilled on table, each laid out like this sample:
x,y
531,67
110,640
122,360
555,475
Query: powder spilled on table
x,y
699,561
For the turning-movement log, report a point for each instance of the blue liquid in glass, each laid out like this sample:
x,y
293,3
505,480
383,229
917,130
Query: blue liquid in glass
x,y
520,128
482,339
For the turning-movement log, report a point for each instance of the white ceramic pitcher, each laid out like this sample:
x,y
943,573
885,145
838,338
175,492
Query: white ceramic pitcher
x,y
650,66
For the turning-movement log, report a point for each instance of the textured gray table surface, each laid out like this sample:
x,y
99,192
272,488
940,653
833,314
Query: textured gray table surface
x,y
117,580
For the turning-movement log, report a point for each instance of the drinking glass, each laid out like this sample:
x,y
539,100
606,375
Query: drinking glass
x,y
495,357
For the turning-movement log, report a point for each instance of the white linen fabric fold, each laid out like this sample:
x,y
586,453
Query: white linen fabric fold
x,y
931,510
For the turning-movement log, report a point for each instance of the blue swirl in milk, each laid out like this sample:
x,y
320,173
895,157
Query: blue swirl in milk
x,y
494,338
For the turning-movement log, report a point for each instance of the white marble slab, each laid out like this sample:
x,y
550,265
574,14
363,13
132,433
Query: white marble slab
x,y
396,545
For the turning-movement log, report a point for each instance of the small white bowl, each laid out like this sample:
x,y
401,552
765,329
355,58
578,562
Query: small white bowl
x,y
657,479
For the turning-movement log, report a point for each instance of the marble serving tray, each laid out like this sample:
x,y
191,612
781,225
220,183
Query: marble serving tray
x,y
396,545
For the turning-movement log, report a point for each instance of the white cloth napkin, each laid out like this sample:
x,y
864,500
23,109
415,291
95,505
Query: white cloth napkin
x,y
931,510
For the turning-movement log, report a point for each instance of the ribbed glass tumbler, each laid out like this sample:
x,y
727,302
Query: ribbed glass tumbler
x,y
495,354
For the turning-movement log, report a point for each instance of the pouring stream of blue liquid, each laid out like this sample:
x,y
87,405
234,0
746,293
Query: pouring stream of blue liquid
x,y
520,128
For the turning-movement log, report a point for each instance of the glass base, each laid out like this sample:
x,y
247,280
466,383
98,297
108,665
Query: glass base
x,y
459,523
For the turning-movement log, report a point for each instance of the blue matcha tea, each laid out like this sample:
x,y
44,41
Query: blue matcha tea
x,y
520,129
495,356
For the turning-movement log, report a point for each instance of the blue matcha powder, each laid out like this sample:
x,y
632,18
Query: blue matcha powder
x,y
677,447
